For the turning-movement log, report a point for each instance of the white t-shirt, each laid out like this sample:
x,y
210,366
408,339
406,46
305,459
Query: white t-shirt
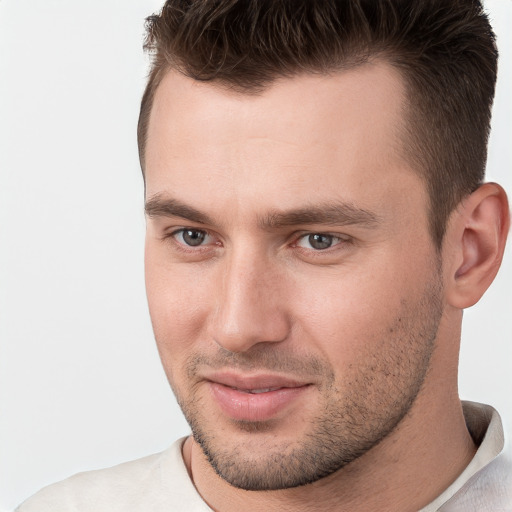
x,y
161,482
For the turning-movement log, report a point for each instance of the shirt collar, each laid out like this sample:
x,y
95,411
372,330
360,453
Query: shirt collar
x,y
484,425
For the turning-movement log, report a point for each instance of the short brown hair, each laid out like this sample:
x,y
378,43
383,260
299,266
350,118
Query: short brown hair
x,y
444,49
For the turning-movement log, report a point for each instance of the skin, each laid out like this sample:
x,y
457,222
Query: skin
x,y
369,327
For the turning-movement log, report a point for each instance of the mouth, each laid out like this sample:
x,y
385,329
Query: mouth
x,y
257,391
255,398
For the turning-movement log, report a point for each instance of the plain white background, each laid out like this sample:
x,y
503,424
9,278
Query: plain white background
x,y
81,385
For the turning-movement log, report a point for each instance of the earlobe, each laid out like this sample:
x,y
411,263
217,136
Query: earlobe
x,y
478,234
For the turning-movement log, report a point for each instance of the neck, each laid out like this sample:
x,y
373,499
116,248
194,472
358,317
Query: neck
x,y
404,472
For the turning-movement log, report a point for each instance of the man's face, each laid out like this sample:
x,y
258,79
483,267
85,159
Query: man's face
x,y
293,286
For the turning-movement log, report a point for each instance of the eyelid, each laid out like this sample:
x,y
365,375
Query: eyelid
x,y
213,240
181,245
335,236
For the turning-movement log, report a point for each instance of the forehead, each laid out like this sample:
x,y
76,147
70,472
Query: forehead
x,y
307,137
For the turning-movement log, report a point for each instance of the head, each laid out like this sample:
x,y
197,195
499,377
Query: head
x,y
301,162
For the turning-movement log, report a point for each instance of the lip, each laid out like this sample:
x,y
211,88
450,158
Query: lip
x,y
254,397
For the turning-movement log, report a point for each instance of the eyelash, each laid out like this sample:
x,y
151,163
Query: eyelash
x,y
337,240
183,247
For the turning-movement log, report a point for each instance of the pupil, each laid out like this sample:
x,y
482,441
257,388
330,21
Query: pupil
x,y
320,241
193,237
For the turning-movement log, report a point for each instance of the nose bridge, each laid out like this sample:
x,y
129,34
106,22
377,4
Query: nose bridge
x,y
250,306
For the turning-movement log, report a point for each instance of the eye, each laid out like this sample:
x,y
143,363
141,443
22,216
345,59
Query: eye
x,y
318,241
192,237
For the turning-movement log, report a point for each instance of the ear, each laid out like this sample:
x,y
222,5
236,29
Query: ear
x,y
477,233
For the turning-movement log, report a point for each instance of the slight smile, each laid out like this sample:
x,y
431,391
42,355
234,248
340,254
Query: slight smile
x,y
254,398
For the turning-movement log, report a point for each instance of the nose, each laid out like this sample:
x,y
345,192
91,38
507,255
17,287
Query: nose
x,y
251,305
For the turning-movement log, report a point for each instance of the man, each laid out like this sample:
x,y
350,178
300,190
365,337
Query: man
x,y
316,223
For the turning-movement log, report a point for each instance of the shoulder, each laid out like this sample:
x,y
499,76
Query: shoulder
x,y
151,483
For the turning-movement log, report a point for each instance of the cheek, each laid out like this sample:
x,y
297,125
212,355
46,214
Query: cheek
x,y
178,302
353,313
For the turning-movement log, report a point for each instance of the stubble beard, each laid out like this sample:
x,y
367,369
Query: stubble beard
x,y
355,414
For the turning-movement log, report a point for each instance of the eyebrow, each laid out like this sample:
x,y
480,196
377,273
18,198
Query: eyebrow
x,y
331,214
160,206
